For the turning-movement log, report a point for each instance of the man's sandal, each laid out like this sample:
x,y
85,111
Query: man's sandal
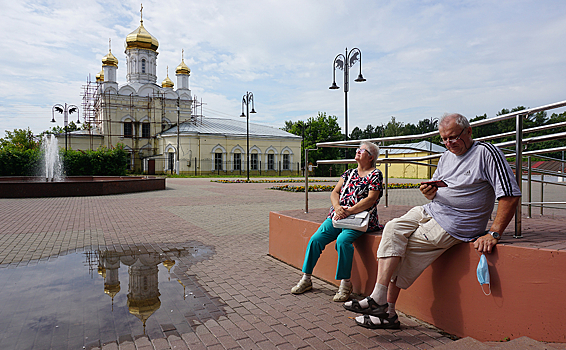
x,y
374,309
384,323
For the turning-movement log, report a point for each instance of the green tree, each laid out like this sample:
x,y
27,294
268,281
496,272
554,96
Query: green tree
x,y
321,128
394,128
61,130
20,139
19,153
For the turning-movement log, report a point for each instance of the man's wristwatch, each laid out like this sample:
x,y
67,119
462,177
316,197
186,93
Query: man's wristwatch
x,y
495,235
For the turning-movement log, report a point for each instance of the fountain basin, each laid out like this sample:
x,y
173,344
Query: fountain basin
x,y
74,186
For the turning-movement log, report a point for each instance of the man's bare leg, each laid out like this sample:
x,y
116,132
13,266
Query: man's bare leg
x,y
385,269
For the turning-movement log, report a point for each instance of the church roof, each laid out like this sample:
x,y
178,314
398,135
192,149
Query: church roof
x,y
224,126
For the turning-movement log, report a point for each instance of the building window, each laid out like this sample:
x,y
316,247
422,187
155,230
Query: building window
x,y
129,160
237,161
253,161
145,130
128,129
171,160
286,162
143,66
271,161
217,161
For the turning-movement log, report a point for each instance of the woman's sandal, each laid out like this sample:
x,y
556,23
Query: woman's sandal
x,y
373,309
392,323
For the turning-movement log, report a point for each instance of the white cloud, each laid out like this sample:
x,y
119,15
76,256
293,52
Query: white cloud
x,y
420,58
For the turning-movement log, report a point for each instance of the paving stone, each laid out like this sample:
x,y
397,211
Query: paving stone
x,y
241,295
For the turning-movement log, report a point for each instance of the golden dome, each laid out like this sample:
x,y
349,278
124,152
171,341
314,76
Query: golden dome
x,y
100,78
141,39
109,60
112,289
169,264
167,83
183,69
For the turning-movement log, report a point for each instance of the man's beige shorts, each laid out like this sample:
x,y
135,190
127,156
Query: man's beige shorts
x,y
418,239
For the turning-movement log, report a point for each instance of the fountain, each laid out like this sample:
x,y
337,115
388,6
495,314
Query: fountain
x,y
52,166
52,183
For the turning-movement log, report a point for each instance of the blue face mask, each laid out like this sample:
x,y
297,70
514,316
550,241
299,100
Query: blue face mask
x,y
483,273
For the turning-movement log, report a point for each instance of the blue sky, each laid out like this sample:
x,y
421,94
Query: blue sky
x,y
420,58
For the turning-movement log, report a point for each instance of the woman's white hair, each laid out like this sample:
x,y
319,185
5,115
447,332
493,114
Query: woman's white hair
x,y
373,151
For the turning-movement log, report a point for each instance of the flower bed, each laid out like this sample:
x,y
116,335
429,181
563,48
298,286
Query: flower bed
x,y
267,181
312,188
328,188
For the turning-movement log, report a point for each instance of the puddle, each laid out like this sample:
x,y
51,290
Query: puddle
x,y
90,298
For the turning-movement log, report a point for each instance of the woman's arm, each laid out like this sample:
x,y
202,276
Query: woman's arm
x,y
364,204
335,200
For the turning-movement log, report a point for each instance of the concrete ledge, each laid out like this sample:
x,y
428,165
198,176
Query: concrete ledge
x,y
73,186
527,284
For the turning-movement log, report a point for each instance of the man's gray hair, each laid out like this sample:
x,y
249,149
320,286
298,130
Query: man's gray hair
x,y
458,118
373,150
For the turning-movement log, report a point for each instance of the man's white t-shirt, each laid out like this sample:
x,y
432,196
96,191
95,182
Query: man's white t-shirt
x,y
475,180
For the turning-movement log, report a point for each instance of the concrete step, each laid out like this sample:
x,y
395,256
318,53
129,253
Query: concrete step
x,y
522,343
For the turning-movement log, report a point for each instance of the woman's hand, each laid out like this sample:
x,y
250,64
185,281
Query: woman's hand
x,y
341,212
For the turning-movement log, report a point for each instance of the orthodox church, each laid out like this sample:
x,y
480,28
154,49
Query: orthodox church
x,y
159,125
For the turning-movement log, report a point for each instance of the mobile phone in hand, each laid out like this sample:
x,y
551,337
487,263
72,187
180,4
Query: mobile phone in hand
x,y
438,183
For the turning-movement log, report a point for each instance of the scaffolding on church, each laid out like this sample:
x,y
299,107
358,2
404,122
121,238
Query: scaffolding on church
x,y
147,117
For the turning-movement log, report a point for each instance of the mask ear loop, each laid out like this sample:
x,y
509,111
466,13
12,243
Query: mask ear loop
x,y
488,284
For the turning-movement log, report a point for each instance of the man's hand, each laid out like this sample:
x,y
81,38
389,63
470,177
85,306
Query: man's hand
x,y
485,243
428,191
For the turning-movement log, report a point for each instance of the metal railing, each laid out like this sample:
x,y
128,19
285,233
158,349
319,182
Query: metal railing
x,y
518,143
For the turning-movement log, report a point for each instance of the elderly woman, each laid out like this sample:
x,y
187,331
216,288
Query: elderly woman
x,y
364,186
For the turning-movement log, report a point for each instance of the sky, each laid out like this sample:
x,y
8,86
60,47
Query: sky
x,y
420,58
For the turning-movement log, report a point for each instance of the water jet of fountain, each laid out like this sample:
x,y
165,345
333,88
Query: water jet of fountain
x,y
53,169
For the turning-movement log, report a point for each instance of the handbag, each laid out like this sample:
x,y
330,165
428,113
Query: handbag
x,y
358,221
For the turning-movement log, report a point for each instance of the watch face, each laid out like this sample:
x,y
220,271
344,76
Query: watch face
x,y
495,234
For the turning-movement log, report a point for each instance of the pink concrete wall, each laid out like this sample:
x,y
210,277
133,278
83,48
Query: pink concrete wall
x,y
527,285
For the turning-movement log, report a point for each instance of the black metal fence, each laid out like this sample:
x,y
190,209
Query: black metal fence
x,y
205,166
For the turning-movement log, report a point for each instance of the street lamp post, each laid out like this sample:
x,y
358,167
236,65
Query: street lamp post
x,y
65,110
345,62
178,131
246,100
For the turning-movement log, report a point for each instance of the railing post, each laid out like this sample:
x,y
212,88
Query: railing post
x,y
386,189
518,171
529,197
306,181
541,194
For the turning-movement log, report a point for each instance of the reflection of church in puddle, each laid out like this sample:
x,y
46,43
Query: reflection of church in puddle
x,y
143,288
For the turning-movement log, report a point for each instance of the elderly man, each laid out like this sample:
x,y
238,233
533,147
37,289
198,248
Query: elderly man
x,y
476,173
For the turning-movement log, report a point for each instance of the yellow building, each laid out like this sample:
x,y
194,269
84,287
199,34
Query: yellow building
x,y
410,150
144,116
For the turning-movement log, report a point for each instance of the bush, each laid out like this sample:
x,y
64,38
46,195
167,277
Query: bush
x,y
18,162
104,161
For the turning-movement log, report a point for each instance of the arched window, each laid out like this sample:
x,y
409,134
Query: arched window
x,y
143,65
145,130
128,128
286,161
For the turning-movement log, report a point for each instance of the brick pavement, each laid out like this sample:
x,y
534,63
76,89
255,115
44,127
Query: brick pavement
x,y
246,291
